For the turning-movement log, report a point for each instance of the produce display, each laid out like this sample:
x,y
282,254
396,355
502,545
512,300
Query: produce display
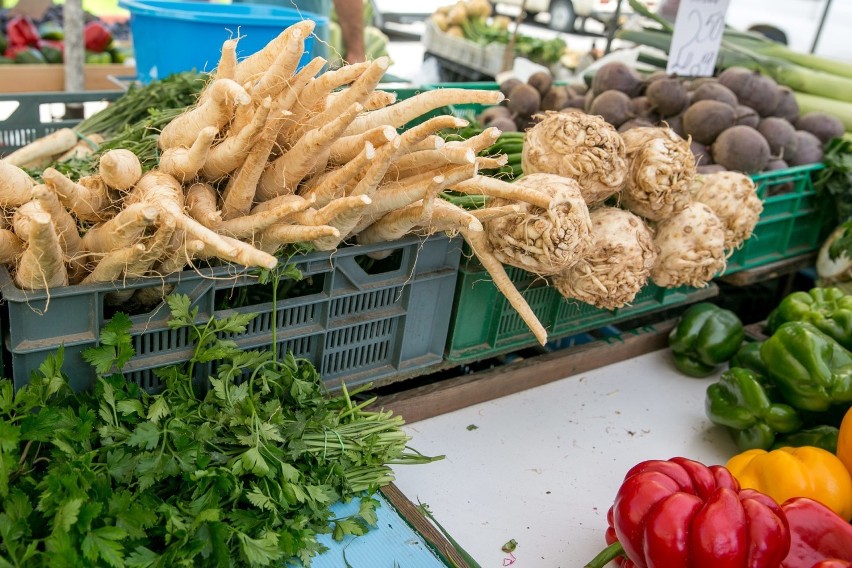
x,y
680,512
23,40
598,190
473,20
655,218
243,473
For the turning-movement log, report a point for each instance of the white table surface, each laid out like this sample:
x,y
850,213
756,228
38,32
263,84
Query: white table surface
x,y
543,466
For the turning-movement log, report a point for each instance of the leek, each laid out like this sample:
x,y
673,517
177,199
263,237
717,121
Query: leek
x,y
840,109
796,77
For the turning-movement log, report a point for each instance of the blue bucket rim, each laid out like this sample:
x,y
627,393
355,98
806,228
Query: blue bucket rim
x,y
183,11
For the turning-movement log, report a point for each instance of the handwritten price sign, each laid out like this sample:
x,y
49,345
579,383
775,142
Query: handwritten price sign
x,y
697,35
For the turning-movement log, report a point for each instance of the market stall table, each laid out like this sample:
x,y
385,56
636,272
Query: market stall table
x,y
542,466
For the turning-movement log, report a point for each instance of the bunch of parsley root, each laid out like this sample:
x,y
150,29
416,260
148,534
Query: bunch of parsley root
x,y
239,471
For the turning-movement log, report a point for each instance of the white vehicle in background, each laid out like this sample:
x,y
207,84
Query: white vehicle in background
x,y
565,13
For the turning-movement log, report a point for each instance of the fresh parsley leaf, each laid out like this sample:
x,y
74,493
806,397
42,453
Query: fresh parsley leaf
x,y
146,435
102,543
67,515
259,551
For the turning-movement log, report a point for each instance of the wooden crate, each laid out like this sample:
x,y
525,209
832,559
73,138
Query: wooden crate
x,y
41,78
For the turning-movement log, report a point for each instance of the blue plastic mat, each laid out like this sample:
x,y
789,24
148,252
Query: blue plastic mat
x,y
392,543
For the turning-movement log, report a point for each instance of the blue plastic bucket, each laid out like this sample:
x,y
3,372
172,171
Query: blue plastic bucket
x,y
169,37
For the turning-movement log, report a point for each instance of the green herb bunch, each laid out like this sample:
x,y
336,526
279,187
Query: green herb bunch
x,y
241,474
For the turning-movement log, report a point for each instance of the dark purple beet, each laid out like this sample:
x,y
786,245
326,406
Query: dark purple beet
x,y
504,123
808,149
822,125
542,81
746,116
635,123
780,135
714,91
668,97
524,100
614,106
578,101
752,89
509,84
493,112
675,123
706,119
711,169
741,149
788,107
616,76
701,153
555,99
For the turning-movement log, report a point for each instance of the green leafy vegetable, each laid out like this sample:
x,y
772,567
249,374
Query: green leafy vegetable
x,y
242,472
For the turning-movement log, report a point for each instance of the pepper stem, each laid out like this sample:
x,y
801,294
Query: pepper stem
x,y
608,554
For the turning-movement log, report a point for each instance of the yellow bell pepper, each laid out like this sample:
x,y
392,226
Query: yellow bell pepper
x,y
844,441
787,472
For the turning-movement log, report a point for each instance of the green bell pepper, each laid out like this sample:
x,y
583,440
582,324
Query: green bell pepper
x,y
739,402
705,336
824,437
748,357
811,370
828,309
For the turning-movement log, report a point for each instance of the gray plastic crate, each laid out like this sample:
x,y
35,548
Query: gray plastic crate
x,y
25,124
353,325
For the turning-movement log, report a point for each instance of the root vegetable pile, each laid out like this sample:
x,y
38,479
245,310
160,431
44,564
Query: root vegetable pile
x,y
268,155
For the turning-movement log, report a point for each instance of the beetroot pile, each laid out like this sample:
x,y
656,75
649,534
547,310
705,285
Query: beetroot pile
x,y
740,120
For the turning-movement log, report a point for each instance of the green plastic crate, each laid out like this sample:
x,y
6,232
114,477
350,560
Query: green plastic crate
x,y
791,222
484,324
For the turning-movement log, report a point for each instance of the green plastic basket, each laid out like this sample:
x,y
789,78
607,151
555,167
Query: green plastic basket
x,y
484,324
791,222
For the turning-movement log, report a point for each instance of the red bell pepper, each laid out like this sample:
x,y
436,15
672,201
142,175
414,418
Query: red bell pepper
x,y
96,37
819,537
682,514
21,31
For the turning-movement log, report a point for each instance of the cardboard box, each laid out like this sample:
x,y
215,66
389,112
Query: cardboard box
x,y
41,78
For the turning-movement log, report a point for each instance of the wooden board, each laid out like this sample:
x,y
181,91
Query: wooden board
x,y
456,393
47,78
770,271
